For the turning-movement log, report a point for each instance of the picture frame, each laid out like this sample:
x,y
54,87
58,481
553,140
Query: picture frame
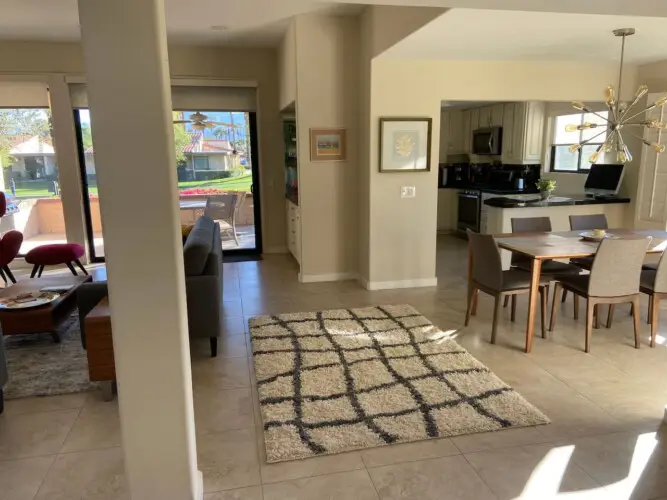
x,y
328,144
405,144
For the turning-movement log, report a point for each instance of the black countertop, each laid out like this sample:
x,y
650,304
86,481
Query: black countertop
x,y
554,201
491,189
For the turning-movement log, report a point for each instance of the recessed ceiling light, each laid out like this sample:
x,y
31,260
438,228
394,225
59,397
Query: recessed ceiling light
x,y
219,27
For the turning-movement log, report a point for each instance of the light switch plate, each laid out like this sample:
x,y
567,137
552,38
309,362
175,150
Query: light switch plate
x,y
408,191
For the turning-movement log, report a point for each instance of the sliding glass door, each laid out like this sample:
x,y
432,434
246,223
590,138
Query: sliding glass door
x,y
217,171
217,174
29,177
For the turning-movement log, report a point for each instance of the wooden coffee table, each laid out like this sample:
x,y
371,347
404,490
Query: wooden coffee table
x,y
43,319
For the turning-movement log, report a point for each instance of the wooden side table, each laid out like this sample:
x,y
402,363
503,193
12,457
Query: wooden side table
x,y
99,347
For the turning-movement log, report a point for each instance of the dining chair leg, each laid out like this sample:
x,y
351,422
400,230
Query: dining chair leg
x,y
655,310
35,268
575,298
80,266
471,294
590,310
475,298
554,307
564,297
649,312
543,310
513,313
41,270
506,301
635,320
596,317
610,315
496,314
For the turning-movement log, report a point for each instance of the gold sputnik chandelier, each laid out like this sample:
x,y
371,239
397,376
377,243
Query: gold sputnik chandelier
x,y
621,115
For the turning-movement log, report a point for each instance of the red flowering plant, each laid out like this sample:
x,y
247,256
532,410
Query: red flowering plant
x,y
200,191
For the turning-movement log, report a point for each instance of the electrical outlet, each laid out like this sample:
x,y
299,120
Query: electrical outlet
x,y
408,191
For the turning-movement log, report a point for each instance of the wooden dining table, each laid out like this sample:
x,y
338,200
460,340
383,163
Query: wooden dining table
x,y
539,247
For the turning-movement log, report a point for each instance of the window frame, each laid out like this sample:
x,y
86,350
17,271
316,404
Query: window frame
x,y
552,155
202,157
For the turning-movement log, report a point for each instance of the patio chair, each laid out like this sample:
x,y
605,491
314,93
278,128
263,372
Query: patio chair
x,y
223,209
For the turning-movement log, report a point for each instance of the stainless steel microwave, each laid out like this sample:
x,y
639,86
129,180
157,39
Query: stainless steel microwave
x,y
487,141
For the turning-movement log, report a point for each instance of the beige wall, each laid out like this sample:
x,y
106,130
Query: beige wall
x,y
258,65
381,27
327,86
401,251
287,66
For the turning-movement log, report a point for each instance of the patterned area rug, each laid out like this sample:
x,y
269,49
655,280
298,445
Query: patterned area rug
x,y
39,367
346,379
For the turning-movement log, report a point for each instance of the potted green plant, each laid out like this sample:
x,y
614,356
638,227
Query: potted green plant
x,y
546,186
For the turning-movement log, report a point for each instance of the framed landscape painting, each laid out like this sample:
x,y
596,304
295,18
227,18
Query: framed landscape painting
x,y
328,144
405,144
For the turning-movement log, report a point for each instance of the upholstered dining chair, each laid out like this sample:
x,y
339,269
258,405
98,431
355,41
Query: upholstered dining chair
x,y
608,283
10,244
489,277
654,284
549,267
587,223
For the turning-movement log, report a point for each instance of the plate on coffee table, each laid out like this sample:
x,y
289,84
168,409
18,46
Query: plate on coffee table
x,y
591,236
27,300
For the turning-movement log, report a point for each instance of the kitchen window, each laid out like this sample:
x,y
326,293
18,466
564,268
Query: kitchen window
x,y
562,160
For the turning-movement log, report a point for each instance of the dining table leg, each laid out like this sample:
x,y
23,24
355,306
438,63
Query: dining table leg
x,y
536,271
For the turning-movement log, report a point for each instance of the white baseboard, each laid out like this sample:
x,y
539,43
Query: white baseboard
x,y
316,278
199,495
387,285
276,250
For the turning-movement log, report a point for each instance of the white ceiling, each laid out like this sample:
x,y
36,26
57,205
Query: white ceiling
x,y
262,22
246,22
468,34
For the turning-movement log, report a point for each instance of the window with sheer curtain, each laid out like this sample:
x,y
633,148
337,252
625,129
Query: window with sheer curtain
x,y
562,160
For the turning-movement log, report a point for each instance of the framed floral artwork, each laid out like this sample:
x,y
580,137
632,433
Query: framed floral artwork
x,y
405,144
328,144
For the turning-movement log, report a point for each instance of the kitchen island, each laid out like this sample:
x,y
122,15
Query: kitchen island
x,y
499,212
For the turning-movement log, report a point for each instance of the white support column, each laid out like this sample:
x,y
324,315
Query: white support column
x,y
127,72
67,159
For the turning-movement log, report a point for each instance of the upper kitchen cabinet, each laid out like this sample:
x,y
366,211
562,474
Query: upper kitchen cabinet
x,y
496,115
452,133
484,116
523,127
474,119
467,132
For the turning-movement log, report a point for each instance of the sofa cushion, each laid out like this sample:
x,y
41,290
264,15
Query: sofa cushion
x,y
198,246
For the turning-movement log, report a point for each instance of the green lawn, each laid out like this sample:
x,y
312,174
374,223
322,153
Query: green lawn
x,y
241,183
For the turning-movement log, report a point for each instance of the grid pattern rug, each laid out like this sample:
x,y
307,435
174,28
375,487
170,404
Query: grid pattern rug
x,y
345,379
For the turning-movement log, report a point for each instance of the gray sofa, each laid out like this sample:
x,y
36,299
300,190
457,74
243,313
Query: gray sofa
x,y
202,258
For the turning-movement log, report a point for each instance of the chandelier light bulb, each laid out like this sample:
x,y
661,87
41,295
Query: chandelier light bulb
x,y
571,128
609,95
658,148
580,106
574,148
641,91
606,148
594,157
621,157
661,102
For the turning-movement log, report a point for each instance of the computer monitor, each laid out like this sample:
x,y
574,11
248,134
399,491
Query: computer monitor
x,y
604,179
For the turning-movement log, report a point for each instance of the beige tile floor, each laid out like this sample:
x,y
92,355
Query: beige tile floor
x,y
605,440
